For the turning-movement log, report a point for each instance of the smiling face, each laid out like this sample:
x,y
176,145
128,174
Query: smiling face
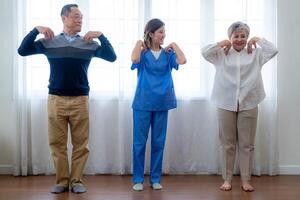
x,y
238,39
73,20
158,36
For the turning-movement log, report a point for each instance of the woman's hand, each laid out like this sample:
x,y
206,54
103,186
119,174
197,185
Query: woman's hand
x,y
142,44
136,52
180,57
225,45
170,46
252,43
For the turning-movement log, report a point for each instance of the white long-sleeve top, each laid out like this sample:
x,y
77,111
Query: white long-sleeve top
x,y
238,82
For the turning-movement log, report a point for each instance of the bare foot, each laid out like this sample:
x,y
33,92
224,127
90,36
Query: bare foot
x,y
247,187
226,186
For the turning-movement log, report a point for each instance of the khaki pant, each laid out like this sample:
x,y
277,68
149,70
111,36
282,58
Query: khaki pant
x,y
237,129
72,111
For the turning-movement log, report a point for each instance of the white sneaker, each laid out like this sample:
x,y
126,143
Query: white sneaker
x,y
138,187
157,186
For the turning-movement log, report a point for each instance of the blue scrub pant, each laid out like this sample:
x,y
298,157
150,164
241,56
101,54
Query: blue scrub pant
x,y
142,120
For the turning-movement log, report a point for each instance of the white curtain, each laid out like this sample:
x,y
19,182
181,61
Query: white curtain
x,y
192,140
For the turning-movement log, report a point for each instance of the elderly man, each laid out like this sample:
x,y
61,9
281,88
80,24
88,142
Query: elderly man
x,y
69,55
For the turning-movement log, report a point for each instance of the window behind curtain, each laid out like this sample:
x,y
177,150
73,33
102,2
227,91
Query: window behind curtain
x,y
249,11
118,20
41,13
182,19
122,21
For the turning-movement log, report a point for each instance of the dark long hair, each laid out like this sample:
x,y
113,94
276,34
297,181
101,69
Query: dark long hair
x,y
151,27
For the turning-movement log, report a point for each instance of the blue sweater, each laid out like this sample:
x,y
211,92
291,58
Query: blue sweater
x,y
68,61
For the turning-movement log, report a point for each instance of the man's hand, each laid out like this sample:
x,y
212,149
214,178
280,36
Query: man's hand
x,y
89,36
46,31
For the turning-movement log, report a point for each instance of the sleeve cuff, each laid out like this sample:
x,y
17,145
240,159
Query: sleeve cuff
x,y
35,31
102,37
261,41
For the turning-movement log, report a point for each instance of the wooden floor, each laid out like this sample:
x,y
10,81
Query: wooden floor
x,y
176,187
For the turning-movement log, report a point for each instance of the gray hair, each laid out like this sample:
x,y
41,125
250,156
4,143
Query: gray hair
x,y
67,8
238,26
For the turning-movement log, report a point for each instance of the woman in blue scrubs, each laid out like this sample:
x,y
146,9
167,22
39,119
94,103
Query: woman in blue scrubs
x,y
153,98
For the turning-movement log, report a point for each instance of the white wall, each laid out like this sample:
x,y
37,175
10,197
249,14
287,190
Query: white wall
x,y
7,106
288,84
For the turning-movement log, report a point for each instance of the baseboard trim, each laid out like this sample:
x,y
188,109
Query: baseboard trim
x,y
289,170
283,169
6,169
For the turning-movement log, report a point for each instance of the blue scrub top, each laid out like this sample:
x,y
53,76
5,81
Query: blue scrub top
x,y
155,88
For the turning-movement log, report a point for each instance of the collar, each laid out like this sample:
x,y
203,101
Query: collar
x,y
70,38
66,35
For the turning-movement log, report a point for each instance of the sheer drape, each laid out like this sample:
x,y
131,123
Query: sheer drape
x,y
192,140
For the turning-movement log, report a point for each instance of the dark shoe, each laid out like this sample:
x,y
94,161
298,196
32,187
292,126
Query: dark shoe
x,y
78,188
59,189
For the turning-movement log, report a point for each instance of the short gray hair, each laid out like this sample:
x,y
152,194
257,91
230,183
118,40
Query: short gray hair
x,y
238,26
67,8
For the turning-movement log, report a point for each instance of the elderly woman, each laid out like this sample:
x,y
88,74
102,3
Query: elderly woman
x,y
238,89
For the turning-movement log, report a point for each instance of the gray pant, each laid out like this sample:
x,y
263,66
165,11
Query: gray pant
x,y
237,129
